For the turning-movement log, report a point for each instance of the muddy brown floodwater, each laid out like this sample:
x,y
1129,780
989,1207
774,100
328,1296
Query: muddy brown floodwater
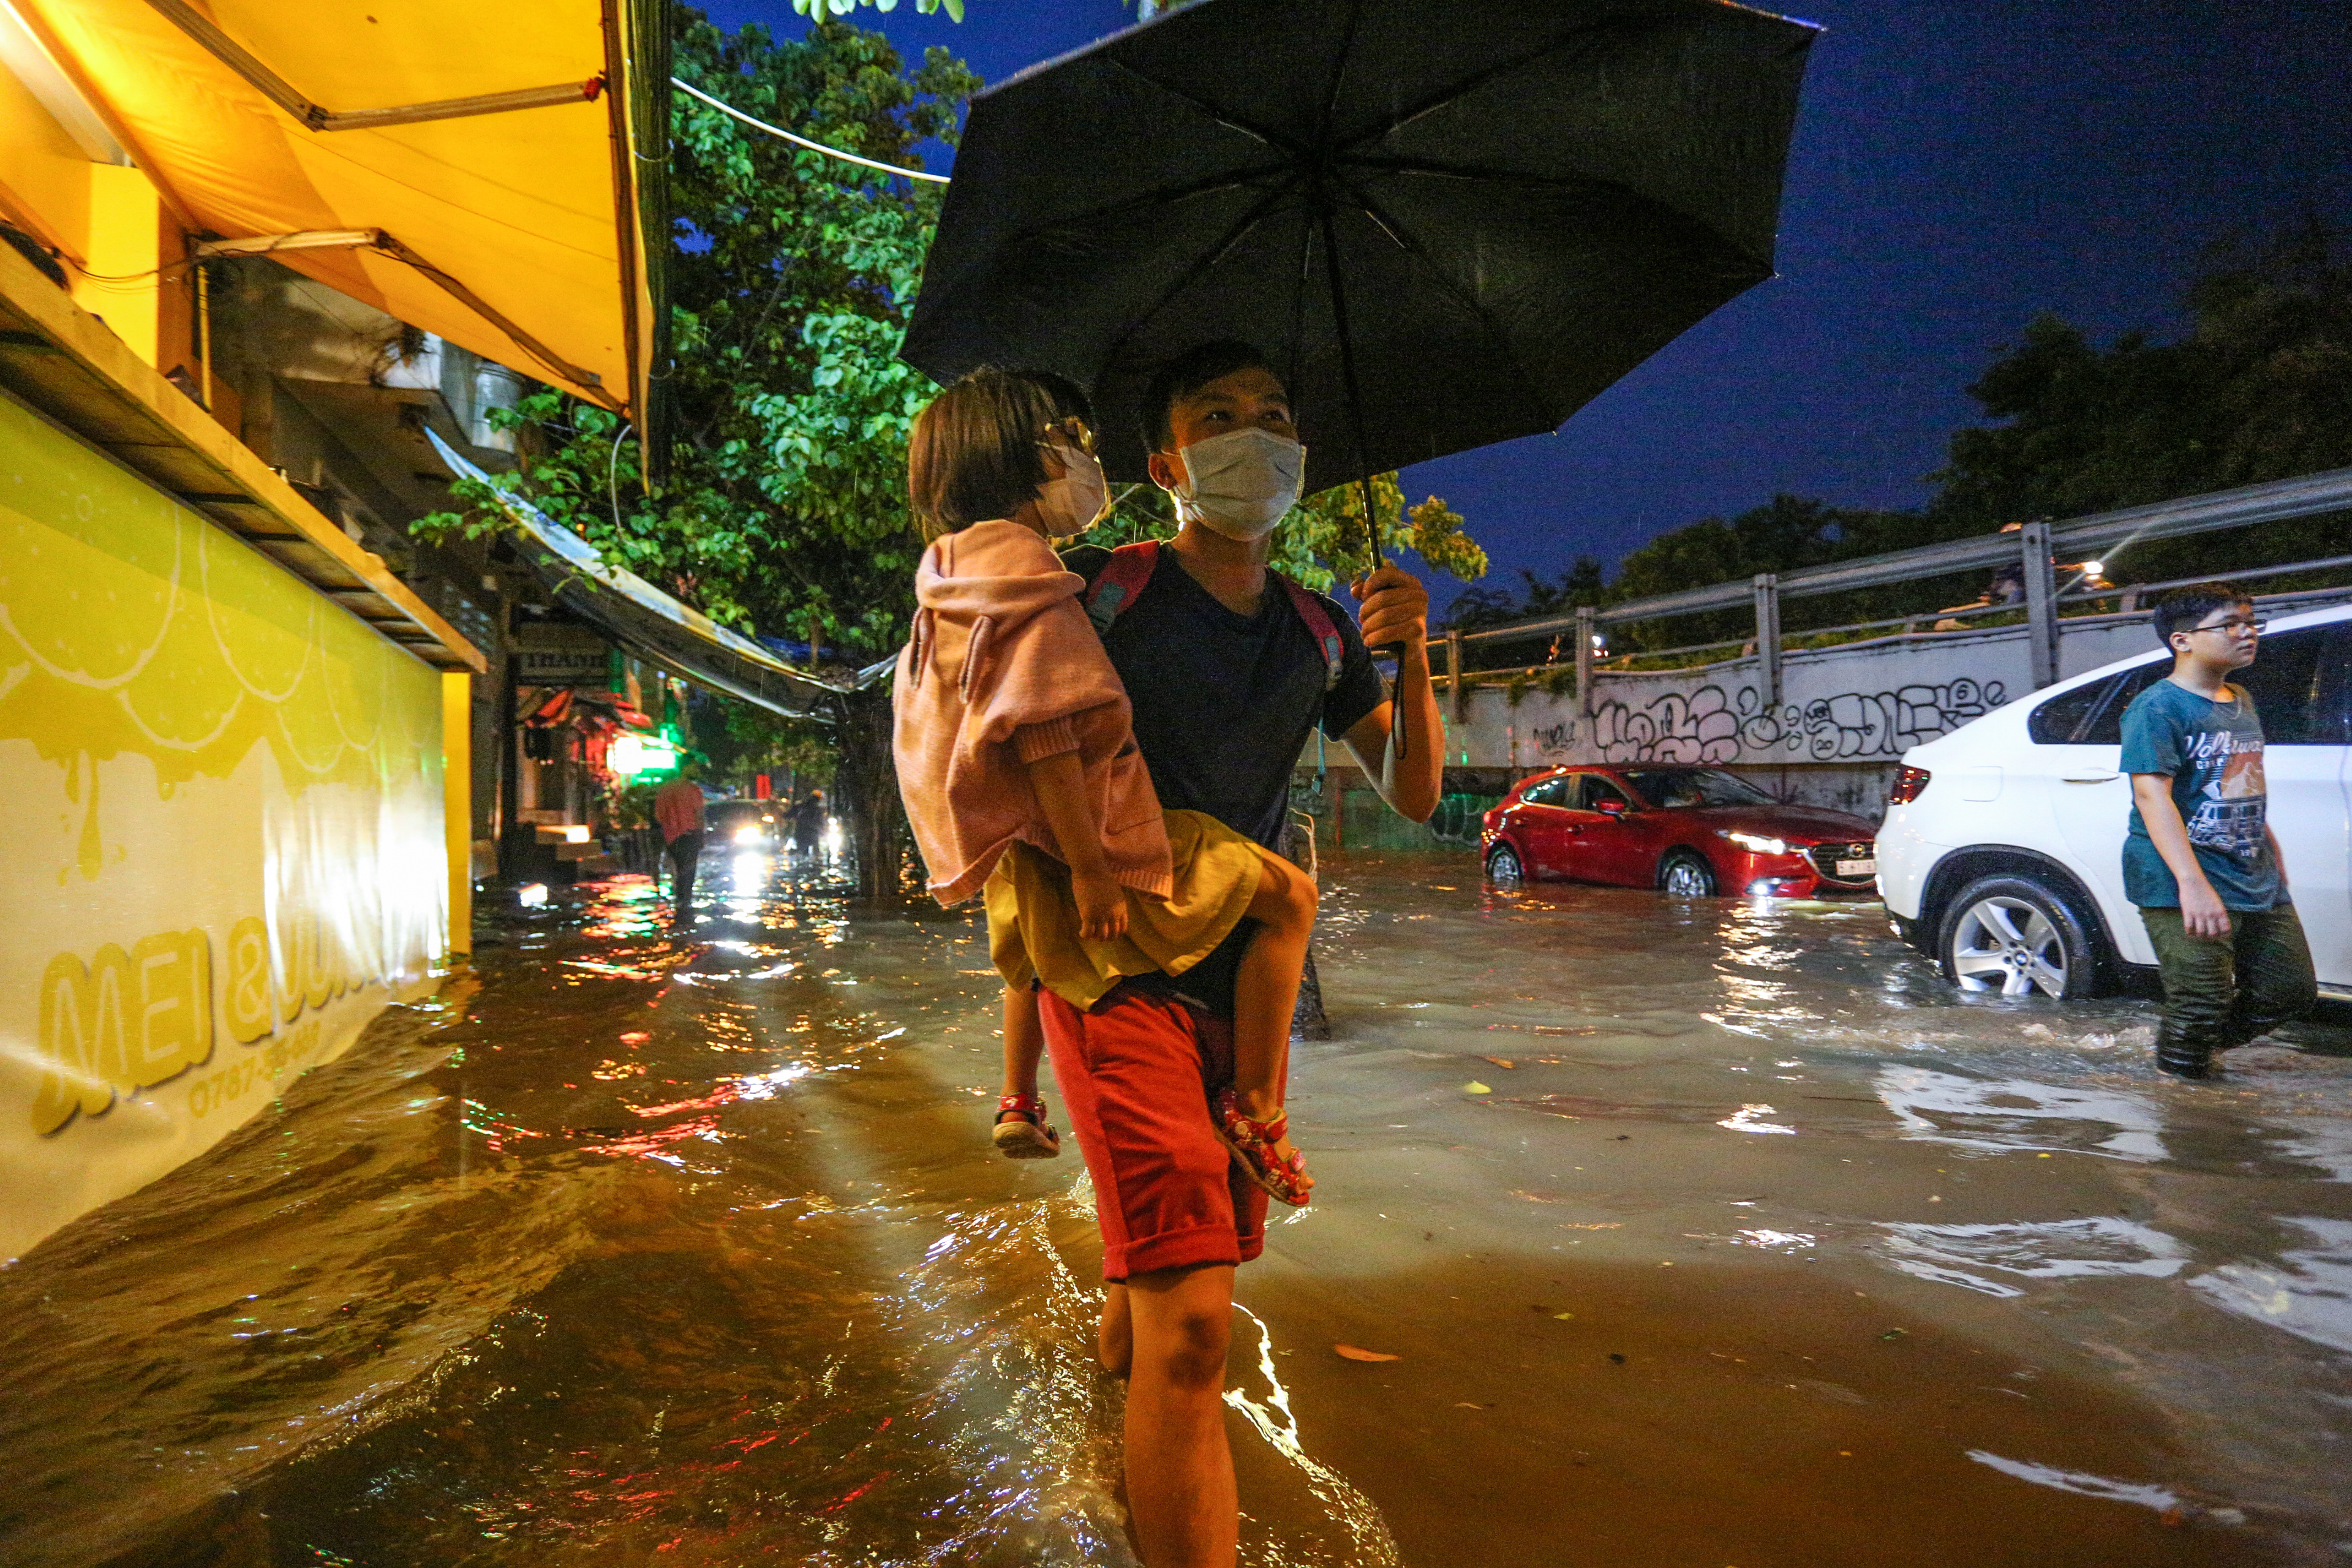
x,y
1717,1235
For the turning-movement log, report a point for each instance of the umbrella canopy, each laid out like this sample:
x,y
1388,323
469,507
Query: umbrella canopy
x,y
1462,223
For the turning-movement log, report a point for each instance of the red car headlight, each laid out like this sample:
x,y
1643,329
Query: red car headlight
x,y
1759,843
1909,783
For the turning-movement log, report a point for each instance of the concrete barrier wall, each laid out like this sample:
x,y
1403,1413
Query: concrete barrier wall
x,y
1867,704
223,797
1844,718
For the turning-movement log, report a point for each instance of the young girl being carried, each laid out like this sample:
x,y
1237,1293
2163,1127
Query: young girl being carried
x,y
1018,765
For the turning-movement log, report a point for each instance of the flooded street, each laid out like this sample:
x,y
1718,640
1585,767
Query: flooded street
x,y
1716,1234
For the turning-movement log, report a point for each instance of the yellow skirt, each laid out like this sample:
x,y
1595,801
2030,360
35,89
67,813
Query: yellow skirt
x,y
1033,920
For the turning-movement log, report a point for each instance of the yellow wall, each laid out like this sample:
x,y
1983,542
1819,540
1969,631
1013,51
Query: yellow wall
x,y
225,832
120,246
458,803
44,177
121,281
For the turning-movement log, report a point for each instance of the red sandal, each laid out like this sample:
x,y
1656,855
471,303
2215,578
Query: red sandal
x,y
1252,1146
1021,1131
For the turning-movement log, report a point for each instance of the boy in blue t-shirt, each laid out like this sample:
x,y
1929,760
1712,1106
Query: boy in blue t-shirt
x,y
2199,859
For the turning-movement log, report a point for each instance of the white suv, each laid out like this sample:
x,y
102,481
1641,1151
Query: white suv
x,y
2002,855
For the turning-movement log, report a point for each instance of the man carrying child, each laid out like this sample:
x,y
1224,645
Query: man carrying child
x,y
2199,859
1227,683
1227,669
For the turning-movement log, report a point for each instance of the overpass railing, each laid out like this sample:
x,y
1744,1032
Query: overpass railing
x,y
2034,549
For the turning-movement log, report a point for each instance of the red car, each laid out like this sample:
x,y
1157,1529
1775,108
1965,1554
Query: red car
x,y
1697,832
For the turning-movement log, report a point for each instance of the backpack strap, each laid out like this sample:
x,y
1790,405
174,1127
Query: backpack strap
x,y
1310,609
1130,566
1120,580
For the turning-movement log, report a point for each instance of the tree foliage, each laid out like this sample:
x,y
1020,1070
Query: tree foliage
x,y
2259,388
954,8
1322,542
792,277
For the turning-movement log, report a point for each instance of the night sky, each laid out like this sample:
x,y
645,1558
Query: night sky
x,y
1958,169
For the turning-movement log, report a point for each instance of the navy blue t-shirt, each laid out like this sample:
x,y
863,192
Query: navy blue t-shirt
x,y
1223,703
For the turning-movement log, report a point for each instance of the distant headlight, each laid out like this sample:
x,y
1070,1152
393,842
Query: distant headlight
x,y
1755,843
747,835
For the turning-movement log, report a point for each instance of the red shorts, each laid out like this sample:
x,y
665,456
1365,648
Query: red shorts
x,y
1135,1075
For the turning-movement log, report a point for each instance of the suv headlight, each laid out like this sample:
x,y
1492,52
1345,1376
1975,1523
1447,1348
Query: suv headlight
x,y
1754,842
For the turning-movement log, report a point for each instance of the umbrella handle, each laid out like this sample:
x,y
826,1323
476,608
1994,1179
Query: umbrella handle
x,y
1364,485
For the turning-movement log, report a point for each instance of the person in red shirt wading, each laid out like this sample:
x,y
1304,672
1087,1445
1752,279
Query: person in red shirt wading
x,y
678,811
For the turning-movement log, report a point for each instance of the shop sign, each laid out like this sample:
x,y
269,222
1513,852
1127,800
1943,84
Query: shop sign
x,y
563,661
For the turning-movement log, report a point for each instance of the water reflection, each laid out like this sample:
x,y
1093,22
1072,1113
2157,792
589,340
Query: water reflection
x,y
1265,1403
2322,1141
1746,1119
2307,1292
2019,1113
653,1251
2079,1484
2047,1249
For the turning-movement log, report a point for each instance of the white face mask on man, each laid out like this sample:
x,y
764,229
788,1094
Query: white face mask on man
x,y
1239,484
1074,502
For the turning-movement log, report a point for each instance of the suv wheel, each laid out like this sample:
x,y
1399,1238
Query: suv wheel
x,y
2013,935
1686,875
1503,868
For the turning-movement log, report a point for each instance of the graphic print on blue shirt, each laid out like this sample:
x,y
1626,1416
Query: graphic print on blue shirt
x,y
2212,754
2230,817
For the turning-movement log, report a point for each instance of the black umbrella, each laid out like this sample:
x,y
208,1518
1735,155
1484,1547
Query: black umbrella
x,y
1455,223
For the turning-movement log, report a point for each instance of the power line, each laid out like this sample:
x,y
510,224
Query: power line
x,y
802,141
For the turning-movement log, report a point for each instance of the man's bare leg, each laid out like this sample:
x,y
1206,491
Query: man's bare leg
x,y
1180,1468
1115,1335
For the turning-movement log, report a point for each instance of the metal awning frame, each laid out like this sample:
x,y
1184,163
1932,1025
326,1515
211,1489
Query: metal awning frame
x,y
652,625
317,117
633,88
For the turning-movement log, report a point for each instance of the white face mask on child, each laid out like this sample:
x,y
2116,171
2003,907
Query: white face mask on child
x,y
1076,501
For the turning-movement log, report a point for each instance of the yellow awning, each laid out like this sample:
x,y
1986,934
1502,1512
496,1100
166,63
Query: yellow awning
x,y
485,162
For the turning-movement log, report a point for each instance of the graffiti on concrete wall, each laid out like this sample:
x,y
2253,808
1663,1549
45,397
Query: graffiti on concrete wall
x,y
1888,723
1713,725
1708,725
1550,740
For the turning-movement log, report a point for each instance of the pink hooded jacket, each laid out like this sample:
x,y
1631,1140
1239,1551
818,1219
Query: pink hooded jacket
x,y
1003,668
